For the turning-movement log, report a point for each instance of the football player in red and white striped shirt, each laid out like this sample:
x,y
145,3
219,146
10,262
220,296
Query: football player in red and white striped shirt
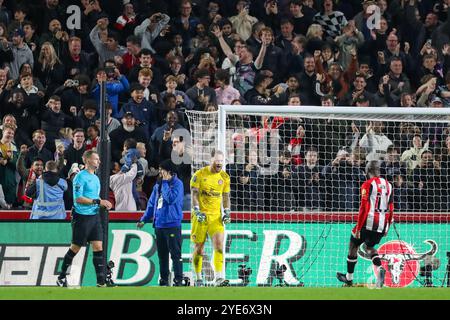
x,y
374,219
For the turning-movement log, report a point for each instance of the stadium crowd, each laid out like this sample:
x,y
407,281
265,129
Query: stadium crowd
x,y
161,58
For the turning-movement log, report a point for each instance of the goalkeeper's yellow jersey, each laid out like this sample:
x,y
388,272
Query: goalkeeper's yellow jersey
x,y
211,186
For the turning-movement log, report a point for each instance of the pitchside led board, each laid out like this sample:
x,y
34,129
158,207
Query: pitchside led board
x,y
31,254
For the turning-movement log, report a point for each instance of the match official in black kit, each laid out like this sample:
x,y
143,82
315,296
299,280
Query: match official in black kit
x,y
86,221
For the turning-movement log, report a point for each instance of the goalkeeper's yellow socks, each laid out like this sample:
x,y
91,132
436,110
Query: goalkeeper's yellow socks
x,y
218,261
197,261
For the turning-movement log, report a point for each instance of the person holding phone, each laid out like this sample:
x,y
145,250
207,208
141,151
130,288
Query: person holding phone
x,y
243,22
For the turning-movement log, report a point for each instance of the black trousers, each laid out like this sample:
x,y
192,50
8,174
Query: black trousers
x,y
169,241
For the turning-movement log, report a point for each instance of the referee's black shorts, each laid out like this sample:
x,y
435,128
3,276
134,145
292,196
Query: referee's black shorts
x,y
86,228
370,238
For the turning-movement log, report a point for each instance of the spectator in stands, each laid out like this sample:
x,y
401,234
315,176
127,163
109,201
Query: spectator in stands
x,y
28,176
127,130
48,68
131,58
246,68
201,93
163,134
296,143
260,95
38,149
302,16
76,61
285,195
24,122
20,14
8,160
126,23
186,23
74,94
181,99
116,83
19,53
243,22
151,93
346,177
273,58
56,37
143,111
48,192
430,184
150,29
412,157
146,62
284,40
307,80
121,184
391,166
445,154
111,123
314,39
247,182
398,81
224,92
93,137
312,182
110,49
375,142
87,115
53,120
74,153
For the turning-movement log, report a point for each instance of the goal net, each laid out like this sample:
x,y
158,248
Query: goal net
x,y
296,174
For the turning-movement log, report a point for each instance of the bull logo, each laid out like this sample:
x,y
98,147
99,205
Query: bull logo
x,y
401,261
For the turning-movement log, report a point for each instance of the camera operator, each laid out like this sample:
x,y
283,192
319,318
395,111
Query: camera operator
x,y
116,83
164,208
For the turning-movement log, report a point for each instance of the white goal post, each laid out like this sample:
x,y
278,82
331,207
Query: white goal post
x,y
290,215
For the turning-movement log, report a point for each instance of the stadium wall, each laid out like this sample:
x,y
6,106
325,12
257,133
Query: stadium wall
x,y
312,248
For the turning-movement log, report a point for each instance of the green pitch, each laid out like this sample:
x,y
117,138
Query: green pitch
x,y
230,293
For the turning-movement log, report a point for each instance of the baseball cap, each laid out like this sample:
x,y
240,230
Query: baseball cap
x,y
18,32
128,114
436,99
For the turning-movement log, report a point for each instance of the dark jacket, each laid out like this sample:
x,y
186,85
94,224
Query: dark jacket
x,y
71,155
119,136
170,214
34,153
143,112
52,122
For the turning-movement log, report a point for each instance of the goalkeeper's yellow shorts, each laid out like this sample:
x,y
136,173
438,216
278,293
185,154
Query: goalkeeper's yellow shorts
x,y
211,226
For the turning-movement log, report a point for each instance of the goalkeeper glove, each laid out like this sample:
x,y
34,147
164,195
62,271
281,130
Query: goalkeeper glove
x,y
201,217
226,219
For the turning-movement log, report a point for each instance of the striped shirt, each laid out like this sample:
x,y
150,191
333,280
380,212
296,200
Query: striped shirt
x,y
376,210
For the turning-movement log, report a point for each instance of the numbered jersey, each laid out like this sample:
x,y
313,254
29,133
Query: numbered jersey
x,y
376,210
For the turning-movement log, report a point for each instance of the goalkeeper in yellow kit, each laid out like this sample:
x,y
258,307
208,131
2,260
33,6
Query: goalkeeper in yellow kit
x,y
210,187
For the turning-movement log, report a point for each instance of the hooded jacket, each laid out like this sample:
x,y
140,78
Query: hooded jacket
x,y
48,192
165,204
